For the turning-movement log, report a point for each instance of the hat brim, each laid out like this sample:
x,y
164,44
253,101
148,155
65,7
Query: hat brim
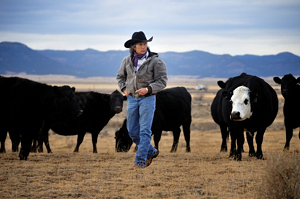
x,y
130,42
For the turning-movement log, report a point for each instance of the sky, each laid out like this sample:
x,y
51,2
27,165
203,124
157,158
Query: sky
x,y
235,27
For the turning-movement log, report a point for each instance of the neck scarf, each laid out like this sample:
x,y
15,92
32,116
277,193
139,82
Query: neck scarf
x,y
136,57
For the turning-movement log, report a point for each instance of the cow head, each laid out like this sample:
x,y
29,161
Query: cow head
x,y
242,99
289,84
123,140
116,101
65,100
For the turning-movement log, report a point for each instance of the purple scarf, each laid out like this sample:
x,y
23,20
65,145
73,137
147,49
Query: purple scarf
x,y
136,57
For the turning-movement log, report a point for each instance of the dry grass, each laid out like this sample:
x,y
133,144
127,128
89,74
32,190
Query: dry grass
x,y
203,173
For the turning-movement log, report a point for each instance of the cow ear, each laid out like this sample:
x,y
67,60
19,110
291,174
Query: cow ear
x,y
221,84
298,81
277,80
73,89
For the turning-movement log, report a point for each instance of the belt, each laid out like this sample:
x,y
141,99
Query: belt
x,y
136,95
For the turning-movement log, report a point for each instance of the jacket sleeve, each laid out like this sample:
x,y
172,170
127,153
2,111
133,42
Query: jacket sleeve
x,y
160,76
122,76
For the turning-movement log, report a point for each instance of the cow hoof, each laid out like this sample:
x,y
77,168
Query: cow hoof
x,y
188,150
259,156
238,157
251,154
223,149
286,148
232,154
22,157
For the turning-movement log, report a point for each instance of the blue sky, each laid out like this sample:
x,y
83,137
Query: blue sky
x,y
235,27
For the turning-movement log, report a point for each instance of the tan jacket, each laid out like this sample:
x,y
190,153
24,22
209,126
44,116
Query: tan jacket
x,y
151,74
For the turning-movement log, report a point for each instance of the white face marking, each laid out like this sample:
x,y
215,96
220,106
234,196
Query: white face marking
x,y
241,108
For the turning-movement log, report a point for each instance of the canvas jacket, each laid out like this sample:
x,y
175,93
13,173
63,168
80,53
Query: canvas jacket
x,y
151,74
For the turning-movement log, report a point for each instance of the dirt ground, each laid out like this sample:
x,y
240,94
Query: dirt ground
x,y
204,173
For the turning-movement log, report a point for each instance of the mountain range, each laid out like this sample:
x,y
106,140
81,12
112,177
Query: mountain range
x,y
16,58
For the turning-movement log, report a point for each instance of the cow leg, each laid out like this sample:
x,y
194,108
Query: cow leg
x,y
259,140
289,135
224,134
3,135
233,144
176,135
45,140
187,134
250,143
34,145
94,140
240,144
15,141
156,137
79,141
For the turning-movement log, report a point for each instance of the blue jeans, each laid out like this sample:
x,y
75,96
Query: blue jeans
x,y
140,112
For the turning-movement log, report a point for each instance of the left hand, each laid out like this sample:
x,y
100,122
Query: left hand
x,y
142,91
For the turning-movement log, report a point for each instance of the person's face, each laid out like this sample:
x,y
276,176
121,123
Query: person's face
x,y
141,48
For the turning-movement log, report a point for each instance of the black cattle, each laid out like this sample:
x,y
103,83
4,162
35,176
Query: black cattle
x,y
290,90
25,104
173,109
218,117
216,112
98,109
247,102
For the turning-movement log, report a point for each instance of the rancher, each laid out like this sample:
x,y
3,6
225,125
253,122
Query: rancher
x,y
141,75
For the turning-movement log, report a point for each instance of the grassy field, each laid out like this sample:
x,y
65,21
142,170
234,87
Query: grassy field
x,y
203,173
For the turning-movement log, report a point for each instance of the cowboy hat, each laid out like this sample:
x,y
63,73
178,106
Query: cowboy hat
x,y
136,38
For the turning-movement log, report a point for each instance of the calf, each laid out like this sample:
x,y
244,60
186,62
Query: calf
x,y
25,104
173,109
98,109
251,104
290,90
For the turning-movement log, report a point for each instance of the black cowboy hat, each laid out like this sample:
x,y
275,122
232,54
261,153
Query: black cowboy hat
x,y
136,38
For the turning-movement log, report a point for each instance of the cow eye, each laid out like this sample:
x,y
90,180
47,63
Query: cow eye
x,y
246,101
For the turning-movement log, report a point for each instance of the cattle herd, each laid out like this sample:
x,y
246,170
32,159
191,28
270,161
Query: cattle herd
x,y
243,103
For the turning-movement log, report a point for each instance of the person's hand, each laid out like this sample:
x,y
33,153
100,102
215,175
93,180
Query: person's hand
x,y
142,91
126,93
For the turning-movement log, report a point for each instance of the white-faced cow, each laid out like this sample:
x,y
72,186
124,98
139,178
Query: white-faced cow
x,y
251,104
173,109
98,109
25,104
218,117
290,90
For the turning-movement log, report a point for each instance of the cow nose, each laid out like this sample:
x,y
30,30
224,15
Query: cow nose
x,y
235,115
284,91
118,109
79,112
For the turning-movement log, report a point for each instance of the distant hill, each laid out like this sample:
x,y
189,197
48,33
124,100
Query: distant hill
x,y
17,57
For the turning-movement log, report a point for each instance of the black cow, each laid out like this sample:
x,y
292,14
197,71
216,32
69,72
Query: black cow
x,y
248,102
216,112
217,115
290,90
173,109
25,104
98,109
